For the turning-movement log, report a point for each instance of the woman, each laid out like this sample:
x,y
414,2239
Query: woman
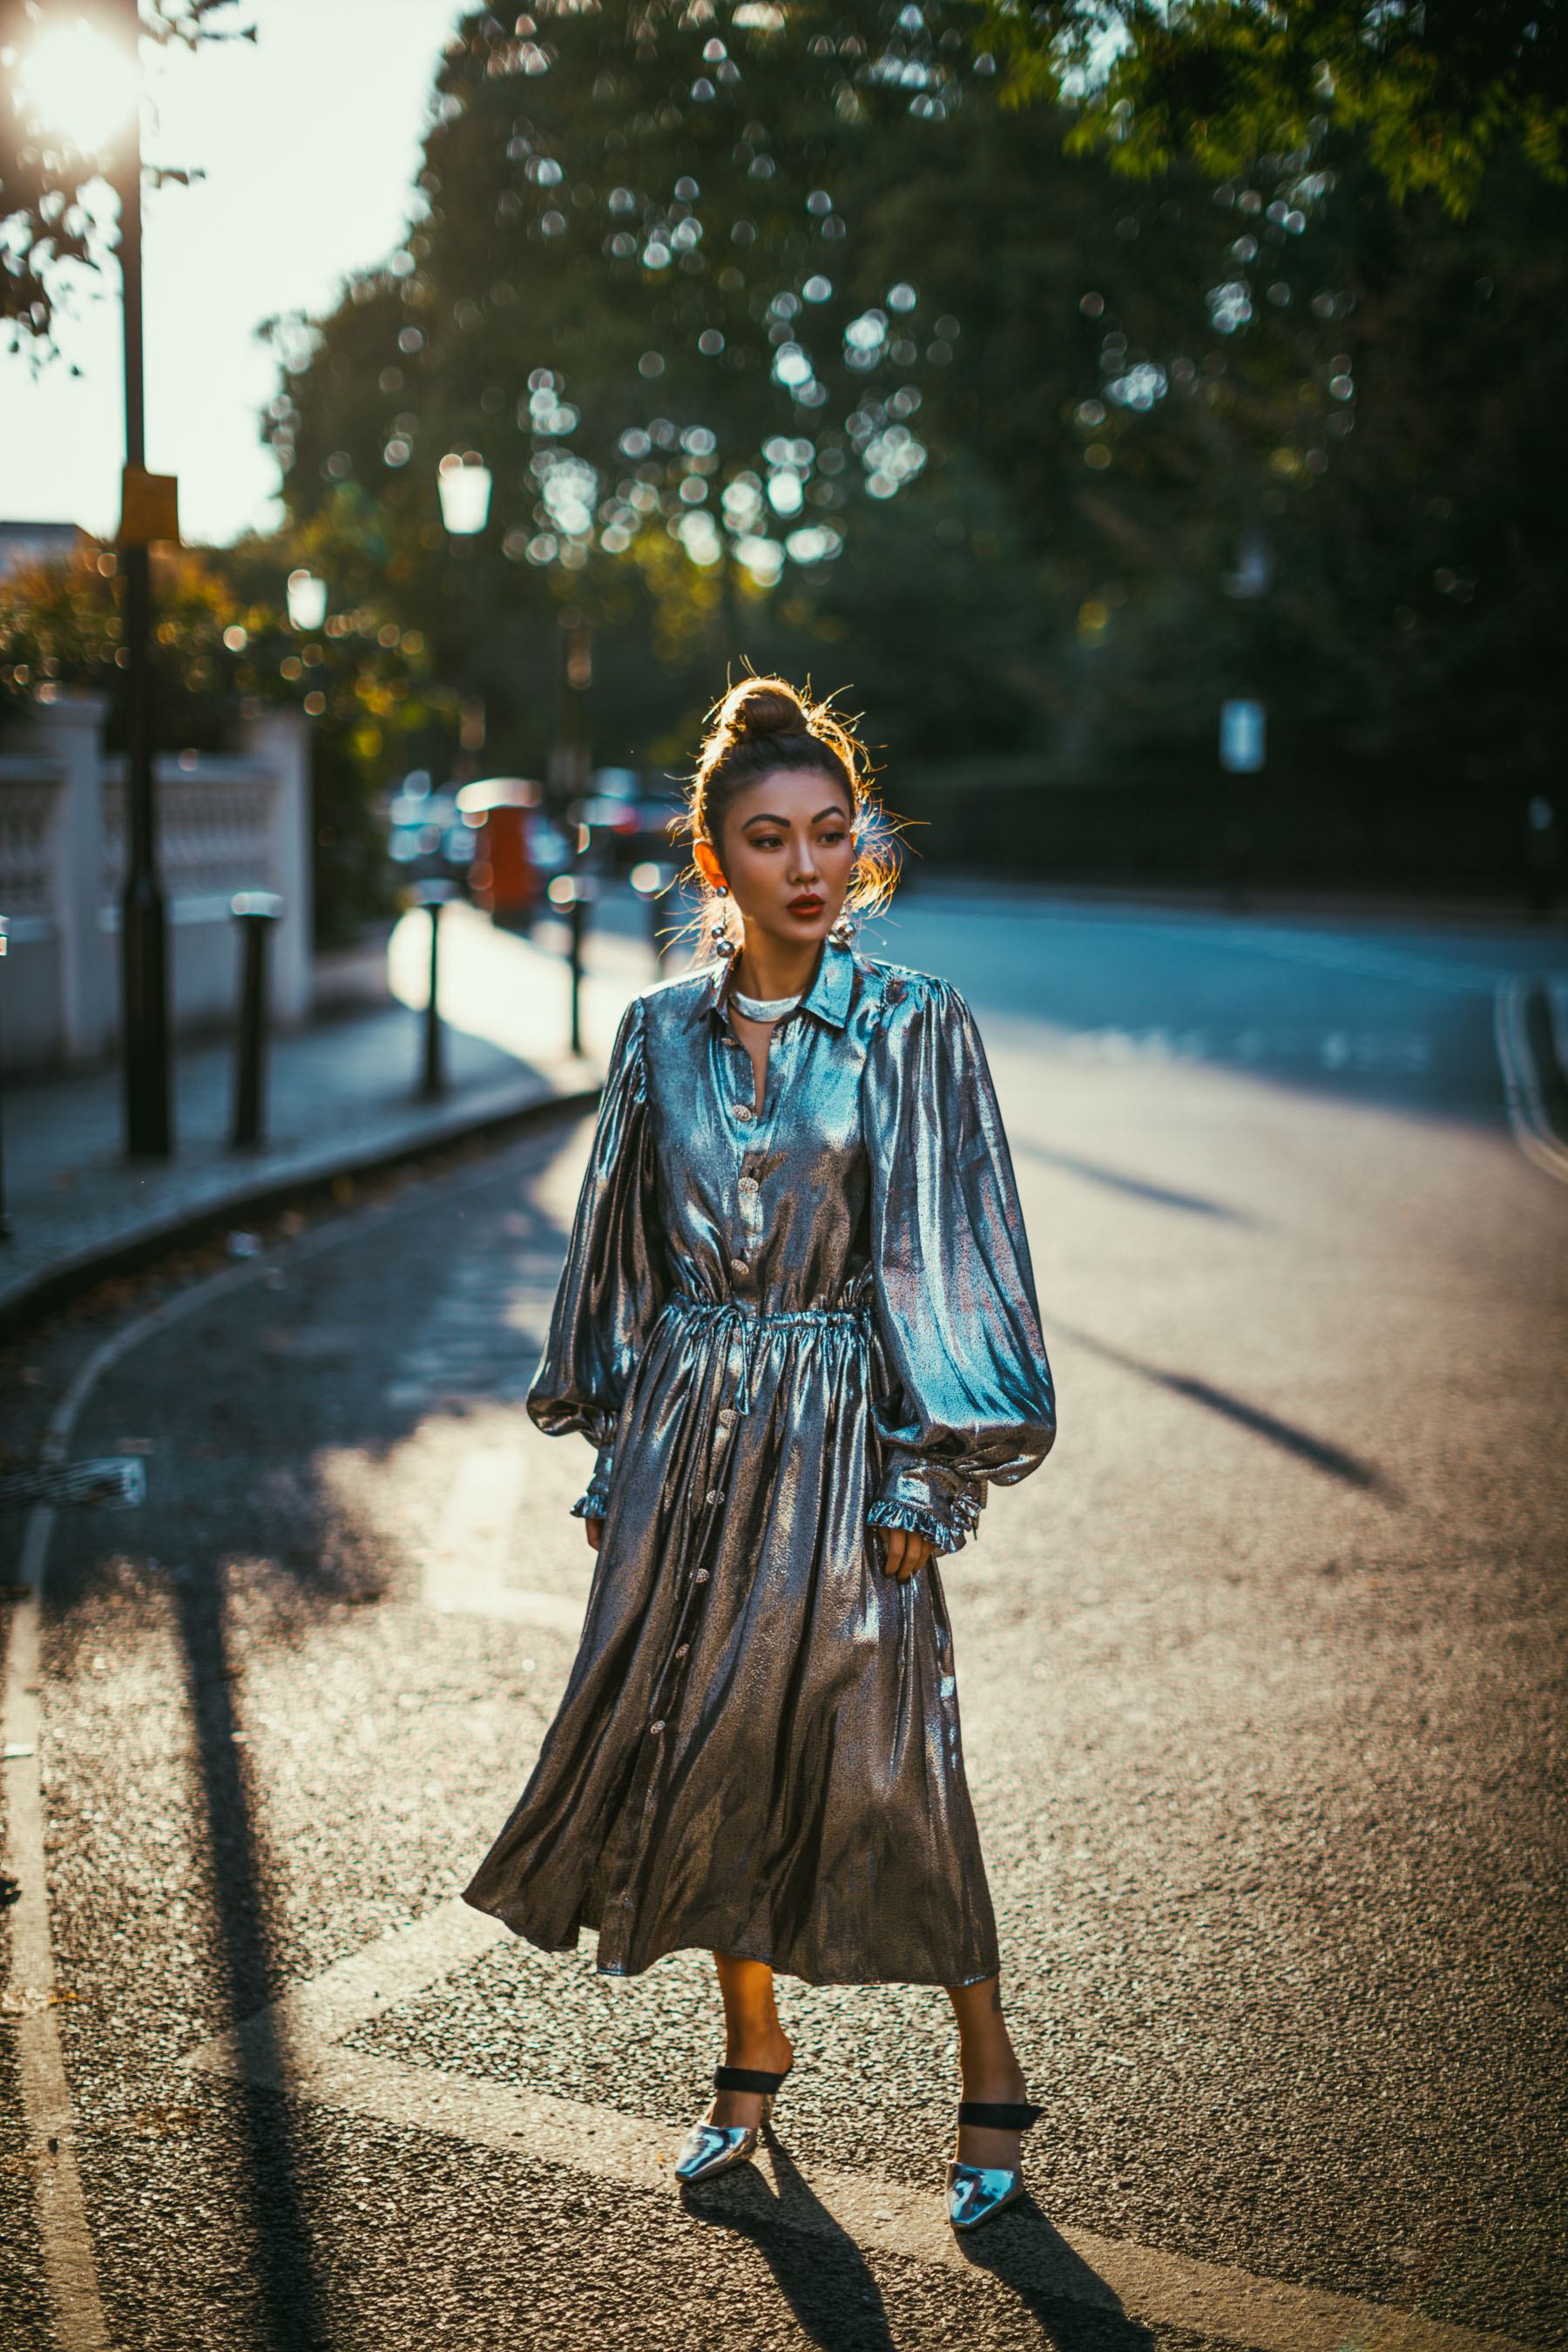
x,y
797,1321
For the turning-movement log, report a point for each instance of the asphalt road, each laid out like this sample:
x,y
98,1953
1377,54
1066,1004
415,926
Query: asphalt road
x,y
1263,1685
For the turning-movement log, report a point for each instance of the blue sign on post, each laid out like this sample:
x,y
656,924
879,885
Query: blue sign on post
x,y
1242,735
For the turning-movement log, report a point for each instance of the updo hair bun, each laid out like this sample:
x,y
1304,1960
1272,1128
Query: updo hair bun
x,y
760,707
761,724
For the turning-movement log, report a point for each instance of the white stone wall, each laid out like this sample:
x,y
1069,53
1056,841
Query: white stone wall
x,y
227,823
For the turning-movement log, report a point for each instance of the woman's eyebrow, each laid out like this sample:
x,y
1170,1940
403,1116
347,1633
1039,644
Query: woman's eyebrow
x,y
761,816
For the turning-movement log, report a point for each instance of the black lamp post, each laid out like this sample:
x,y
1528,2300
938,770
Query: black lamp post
x,y
569,760
147,514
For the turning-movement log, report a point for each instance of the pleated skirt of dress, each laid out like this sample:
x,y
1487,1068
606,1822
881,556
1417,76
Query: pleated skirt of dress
x,y
758,1751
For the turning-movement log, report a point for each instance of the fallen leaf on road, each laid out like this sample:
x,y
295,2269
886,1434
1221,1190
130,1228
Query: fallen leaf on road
x,y
162,2123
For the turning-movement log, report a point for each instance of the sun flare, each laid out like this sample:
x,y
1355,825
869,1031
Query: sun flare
x,y
83,85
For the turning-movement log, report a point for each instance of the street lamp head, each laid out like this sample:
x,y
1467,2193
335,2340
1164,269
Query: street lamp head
x,y
83,85
465,488
307,601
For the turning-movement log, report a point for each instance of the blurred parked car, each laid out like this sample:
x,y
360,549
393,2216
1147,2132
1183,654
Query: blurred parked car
x,y
627,825
553,850
427,837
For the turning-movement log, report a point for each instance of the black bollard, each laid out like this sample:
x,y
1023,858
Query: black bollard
x,y
433,896
572,895
435,1081
254,911
579,925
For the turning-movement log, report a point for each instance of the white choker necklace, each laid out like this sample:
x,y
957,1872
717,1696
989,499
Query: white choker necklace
x,y
757,1008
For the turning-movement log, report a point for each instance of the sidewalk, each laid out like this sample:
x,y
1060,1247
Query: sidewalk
x,y
341,1099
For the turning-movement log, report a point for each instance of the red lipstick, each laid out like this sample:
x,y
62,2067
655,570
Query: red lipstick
x,y
806,904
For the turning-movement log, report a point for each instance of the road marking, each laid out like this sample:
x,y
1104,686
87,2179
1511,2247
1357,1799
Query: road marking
x,y
464,1569
293,2047
353,1991
1533,1131
1557,1008
69,2266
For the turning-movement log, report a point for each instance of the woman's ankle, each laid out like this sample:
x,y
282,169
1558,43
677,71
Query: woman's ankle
x,y
763,2047
992,2074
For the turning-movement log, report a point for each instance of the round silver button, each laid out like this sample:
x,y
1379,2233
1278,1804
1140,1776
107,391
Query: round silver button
x,y
740,1269
715,1494
700,1577
749,1184
727,1418
683,1649
744,1113
656,1727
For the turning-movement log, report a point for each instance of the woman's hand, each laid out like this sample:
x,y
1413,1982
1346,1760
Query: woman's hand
x,y
904,1554
594,1529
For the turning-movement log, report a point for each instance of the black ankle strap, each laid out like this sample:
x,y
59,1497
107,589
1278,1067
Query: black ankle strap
x,y
746,2078
987,2115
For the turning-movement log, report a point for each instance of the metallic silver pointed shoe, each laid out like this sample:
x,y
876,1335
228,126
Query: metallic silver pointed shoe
x,y
977,2193
707,2148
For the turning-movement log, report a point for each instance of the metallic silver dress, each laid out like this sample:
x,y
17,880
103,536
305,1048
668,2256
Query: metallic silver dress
x,y
782,1327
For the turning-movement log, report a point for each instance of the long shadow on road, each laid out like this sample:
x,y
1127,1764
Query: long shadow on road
x,y
1334,1460
1137,1188
829,2285
290,2296
1077,2310
817,2267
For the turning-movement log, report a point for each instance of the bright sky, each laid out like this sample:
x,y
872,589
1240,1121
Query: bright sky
x,y
310,141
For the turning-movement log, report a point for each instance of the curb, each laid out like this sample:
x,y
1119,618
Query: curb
x,y
1531,1025
55,1286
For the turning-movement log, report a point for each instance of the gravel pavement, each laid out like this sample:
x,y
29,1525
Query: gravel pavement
x,y
1262,1679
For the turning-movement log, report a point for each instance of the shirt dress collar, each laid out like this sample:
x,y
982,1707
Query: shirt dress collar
x,y
827,997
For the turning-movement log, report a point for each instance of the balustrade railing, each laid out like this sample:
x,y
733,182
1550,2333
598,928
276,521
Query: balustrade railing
x,y
227,823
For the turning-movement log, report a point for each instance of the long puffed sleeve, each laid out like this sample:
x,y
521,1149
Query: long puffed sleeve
x,y
964,1389
612,1284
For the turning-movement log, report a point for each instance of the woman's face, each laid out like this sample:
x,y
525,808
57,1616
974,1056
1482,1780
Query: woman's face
x,y
786,855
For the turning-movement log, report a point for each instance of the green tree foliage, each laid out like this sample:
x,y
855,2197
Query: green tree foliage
x,y
1439,89
1077,458
709,309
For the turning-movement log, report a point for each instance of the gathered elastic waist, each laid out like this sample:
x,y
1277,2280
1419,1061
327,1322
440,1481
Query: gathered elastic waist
x,y
755,1327
692,1307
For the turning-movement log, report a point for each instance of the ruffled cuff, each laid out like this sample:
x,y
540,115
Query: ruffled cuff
x,y
595,1502
941,1505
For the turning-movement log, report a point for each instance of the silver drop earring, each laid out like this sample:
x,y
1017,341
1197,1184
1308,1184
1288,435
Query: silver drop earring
x,y
718,923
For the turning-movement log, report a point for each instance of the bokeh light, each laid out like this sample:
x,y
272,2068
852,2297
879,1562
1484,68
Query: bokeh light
x,y
465,493
307,601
